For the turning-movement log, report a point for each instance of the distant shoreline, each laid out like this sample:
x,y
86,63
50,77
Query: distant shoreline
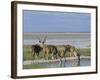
x,y
58,38
57,32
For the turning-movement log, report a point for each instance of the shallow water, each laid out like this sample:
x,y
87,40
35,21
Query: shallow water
x,y
68,63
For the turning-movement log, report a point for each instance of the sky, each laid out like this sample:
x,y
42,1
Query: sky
x,y
52,21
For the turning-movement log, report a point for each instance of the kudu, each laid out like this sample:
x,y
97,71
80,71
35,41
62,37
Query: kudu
x,y
48,49
73,51
69,51
45,48
36,49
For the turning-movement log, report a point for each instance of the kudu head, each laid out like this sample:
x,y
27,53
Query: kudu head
x,y
42,41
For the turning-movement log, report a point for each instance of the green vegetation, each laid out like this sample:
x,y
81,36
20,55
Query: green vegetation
x,y
33,66
28,56
27,53
84,51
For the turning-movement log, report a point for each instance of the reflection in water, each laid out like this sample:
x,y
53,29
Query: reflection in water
x,y
65,63
72,62
78,64
69,63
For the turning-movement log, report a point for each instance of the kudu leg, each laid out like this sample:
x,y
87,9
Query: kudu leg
x,y
46,56
33,57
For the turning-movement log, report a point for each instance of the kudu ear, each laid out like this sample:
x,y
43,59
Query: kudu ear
x,y
39,39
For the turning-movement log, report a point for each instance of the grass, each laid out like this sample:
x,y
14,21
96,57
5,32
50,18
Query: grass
x,y
27,52
33,66
84,51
